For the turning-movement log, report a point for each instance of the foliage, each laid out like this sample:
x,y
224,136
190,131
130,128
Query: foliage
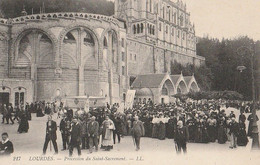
x,y
222,59
202,74
13,8
209,95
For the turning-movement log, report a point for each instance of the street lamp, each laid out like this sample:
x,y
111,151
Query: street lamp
x,y
255,136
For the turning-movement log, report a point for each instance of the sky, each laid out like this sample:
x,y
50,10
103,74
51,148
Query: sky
x,y
225,18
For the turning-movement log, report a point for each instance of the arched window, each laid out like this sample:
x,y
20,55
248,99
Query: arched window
x,y
181,20
174,18
163,13
153,32
164,91
105,42
134,29
169,14
142,27
138,28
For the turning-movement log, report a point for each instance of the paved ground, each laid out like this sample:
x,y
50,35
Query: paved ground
x,y
153,151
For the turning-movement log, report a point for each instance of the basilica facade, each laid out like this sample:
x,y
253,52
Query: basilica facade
x,y
50,56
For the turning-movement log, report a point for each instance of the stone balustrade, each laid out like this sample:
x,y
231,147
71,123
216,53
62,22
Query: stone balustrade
x,y
69,15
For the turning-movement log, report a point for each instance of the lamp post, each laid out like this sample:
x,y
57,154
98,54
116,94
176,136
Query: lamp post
x,y
255,136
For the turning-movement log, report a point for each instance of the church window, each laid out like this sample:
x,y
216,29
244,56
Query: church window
x,y
181,20
105,42
142,28
163,13
123,43
123,70
175,19
134,29
123,56
138,28
169,15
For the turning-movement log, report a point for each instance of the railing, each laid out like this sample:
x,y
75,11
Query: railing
x,y
68,15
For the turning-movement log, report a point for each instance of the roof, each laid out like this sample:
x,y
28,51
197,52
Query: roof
x,y
148,81
187,79
175,78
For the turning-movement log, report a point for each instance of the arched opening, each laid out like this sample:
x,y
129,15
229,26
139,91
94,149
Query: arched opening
x,y
142,27
194,87
19,96
138,28
134,29
182,86
105,42
4,96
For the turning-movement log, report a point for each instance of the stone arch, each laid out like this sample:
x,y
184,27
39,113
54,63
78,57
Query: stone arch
x,y
104,34
167,84
27,30
82,27
20,34
181,87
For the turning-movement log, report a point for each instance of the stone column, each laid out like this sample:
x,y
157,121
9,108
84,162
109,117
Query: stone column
x,y
81,85
34,41
110,66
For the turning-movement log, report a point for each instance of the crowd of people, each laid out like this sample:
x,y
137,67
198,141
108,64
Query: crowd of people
x,y
197,122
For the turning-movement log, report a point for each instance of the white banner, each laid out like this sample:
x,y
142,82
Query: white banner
x,y
130,95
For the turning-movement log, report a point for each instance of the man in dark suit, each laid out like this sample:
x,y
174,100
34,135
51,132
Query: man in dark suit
x,y
51,128
64,129
181,137
75,139
6,146
9,114
137,132
93,132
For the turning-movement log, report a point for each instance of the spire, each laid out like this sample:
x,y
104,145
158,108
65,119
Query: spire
x,y
23,13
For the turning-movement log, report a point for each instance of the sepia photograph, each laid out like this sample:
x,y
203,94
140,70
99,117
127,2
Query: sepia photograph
x,y
153,82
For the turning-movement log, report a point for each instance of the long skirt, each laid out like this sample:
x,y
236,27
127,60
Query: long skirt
x,y
161,131
242,139
222,136
155,130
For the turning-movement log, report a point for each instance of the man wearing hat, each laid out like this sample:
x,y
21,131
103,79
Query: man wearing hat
x,y
137,132
181,137
233,132
51,128
75,139
93,133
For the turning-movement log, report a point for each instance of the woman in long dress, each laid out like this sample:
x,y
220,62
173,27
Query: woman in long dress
x,y
23,122
107,134
222,135
242,139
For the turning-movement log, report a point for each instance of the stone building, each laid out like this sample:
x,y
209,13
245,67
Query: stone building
x,y
50,56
